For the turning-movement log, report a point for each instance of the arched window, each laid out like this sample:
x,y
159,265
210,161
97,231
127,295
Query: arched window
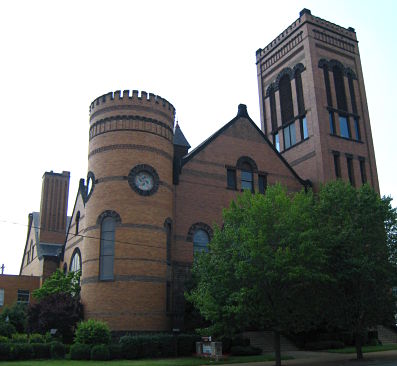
x,y
75,262
200,241
247,177
339,88
287,107
106,260
77,222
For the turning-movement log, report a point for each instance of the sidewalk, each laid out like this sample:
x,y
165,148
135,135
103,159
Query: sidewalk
x,y
330,359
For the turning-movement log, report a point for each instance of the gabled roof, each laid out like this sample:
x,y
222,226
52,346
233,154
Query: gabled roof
x,y
179,137
242,113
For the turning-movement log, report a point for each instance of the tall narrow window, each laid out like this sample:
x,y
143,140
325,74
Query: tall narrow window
x,y
340,88
231,178
273,112
1,297
262,183
350,170
287,107
200,241
327,86
303,127
337,164
77,222
75,262
108,227
332,123
276,141
362,171
247,177
357,129
33,251
299,93
352,94
289,136
344,127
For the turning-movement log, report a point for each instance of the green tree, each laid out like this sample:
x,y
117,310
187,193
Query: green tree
x,y
262,267
59,283
357,231
16,315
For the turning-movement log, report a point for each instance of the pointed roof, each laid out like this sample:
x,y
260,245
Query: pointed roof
x,y
179,137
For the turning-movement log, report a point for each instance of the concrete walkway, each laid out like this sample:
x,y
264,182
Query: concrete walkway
x,y
331,359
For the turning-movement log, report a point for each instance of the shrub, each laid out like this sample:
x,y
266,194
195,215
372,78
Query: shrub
x,y
36,338
320,345
164,345
6,329
5,352
100,352
129,347
245,351
57,350
16,316
80,351
186,344
22,351
19,338
4,339
115,352
41,350
92,332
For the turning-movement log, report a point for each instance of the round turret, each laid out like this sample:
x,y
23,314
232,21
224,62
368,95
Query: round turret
x,y
129,211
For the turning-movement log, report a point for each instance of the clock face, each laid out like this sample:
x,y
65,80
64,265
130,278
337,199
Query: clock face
x,y
144,181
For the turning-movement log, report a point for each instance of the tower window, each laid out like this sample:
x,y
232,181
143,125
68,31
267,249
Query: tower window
x,y
231,179
273,113
352,94
303,127
289,136
327,86
200,241
299,93
340,88
344,127
287,107
106,260
332,123
276,141
362,171
337,164
357,129
350,170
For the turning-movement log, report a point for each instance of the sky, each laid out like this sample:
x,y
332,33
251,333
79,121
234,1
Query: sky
x,y
56,57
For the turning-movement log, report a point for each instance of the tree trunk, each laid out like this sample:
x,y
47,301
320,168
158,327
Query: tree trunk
x,y
277,347
359,345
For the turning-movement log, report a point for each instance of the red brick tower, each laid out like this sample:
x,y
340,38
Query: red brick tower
x,y
313,103
129,211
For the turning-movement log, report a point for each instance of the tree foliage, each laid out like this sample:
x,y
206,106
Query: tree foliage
x,y
16,315
59,283
261,266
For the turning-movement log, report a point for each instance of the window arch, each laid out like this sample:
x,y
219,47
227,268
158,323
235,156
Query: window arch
x,y
108,221
75,262
247,166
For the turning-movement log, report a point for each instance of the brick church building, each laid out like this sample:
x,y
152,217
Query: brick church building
x,y
149,201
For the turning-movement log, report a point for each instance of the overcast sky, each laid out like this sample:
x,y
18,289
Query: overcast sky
x,y
56,57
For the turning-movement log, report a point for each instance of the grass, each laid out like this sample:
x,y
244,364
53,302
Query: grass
x,y
366,349
183,361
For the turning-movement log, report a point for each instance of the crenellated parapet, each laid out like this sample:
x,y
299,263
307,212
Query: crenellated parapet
x,y
121,102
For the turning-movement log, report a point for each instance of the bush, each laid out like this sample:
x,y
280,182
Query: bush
x,y
187,344
19,338
22,351
57,350
6,329
245,351
115,352
129,347
92,332
80,351
100,352
36,338
4,339
5,352
320,345
16,316
41,350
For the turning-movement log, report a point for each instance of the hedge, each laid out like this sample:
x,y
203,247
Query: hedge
x,y
100,352
80,351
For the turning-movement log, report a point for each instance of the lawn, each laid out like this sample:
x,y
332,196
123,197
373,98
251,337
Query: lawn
x,y
185,361
366,349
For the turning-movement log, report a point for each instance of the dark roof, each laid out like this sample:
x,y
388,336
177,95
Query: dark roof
x,y
242,113
179,137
